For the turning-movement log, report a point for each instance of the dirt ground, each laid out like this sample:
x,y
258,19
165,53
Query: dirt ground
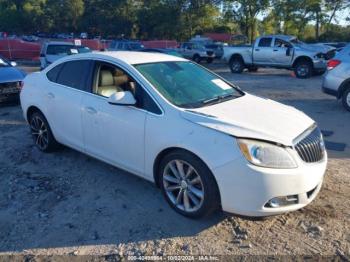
x,y
69,203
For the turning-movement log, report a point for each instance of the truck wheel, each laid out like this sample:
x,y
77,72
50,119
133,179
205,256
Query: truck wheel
x,y
303,69
197,59
253,69
236,65
210,60
346,99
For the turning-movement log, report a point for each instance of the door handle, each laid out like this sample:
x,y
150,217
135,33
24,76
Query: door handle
x,y
275,50
257,49
91,110
50,95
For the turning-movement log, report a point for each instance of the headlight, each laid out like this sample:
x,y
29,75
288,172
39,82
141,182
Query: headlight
x,y
265,154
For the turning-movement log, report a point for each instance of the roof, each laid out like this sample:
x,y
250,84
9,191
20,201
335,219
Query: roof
x,y
133,57
283,37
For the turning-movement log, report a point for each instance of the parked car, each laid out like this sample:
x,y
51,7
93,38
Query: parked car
x,y
51,51
163,51
10,80
280,51
30,38
217,48
203,141
125,45
336,81
196,52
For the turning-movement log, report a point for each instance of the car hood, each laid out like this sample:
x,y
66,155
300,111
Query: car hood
x,y
253,117
317,48
11,74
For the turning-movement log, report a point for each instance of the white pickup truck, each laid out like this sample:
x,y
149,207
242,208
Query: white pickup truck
x,y
280,51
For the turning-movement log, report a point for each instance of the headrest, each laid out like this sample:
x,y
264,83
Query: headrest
x,y
106,78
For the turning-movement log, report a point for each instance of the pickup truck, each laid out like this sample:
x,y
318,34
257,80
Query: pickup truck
x,y
280,51
196,52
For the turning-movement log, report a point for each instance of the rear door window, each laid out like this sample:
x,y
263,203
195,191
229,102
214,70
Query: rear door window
x,y
265,42
75,74
53,73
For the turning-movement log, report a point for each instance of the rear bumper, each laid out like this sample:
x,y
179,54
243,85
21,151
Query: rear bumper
x,y
331,84
246,189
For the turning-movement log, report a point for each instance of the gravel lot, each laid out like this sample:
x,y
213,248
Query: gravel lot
x,y
68,203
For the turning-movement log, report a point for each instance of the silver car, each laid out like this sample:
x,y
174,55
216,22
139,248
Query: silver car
x,y
336,81
52,51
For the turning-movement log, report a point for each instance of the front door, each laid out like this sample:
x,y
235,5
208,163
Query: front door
x,y
114,133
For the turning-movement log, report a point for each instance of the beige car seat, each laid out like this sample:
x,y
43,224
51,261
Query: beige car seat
x,y
106,84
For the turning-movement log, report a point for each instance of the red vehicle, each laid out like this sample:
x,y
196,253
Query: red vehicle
x,y
14,49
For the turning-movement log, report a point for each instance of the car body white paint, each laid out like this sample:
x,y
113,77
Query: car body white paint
x,y
134,141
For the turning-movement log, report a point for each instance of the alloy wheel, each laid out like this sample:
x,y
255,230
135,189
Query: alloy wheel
x,y
39,132
303,70
183,186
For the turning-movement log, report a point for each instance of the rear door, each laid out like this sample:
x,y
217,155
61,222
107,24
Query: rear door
x,y
67,83
262,53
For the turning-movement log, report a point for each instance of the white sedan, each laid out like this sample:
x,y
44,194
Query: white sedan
x,y
206,144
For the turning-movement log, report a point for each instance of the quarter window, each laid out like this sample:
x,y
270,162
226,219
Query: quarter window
x,y
74,73
265,42
53,73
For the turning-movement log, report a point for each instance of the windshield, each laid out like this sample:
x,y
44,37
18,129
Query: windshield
x,y
186,84
135,46
66,49
4,63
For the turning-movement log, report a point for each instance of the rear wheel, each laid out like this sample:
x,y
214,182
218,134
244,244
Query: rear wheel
x,y
346,99
188,185
236,65
303,69
41,133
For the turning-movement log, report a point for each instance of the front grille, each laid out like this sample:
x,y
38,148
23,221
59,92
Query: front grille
x,y
9,88
311,148
210,53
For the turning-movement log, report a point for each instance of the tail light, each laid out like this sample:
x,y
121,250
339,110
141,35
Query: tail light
x,y
333,63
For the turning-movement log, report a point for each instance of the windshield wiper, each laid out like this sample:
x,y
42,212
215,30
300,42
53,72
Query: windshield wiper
x,y
218,99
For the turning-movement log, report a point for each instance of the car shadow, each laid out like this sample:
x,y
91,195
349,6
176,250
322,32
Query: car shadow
x,y
66,199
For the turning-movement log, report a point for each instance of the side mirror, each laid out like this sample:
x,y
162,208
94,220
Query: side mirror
x,y
13,63
123,98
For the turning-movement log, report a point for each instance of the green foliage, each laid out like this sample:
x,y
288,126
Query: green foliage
x,y
177,19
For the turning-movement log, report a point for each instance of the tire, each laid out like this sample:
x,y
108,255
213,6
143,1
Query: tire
x,y
346,99
197,59
303,69
194,194
210,60
253,69
41,133
236,65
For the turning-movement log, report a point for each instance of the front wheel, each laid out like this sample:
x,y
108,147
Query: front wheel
x,y
303,69
41,133
188,185
346,99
